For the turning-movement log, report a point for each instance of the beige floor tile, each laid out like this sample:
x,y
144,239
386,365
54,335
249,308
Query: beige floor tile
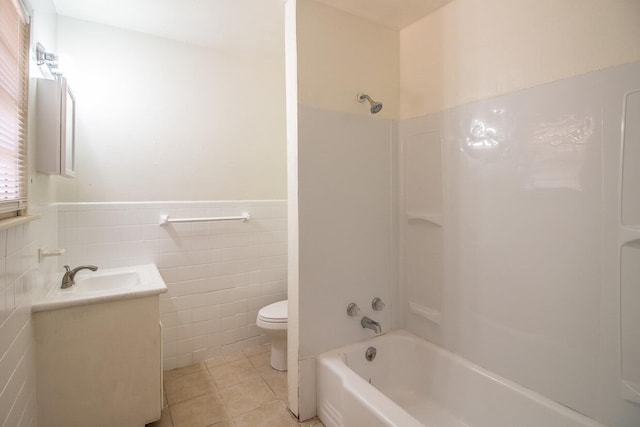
x,y
164,421
233,373
201,411
313,422
224,359
262,362
277,382
257,349
227,423
246,397
270,415
179,372
189,386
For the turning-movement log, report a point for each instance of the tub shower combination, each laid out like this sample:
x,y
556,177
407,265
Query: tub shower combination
x,y
401,380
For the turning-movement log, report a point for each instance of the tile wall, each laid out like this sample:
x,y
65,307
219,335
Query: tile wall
x,y
21,279
219,274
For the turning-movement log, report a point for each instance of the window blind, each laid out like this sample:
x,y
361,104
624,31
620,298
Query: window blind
x,y
14,51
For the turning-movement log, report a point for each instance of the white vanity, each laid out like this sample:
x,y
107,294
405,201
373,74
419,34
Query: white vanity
x,y
98,349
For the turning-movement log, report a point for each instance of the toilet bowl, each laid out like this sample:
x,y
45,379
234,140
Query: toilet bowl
x,y
274,319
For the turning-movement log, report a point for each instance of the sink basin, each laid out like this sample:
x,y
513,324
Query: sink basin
x,y
101,286
91,282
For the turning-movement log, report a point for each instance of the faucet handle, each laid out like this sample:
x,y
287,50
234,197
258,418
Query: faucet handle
x,y
353,310
67,268
377,304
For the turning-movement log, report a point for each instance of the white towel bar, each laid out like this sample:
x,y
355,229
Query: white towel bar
x,y
164,219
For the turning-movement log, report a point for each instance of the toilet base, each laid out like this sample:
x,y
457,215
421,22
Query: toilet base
x,y
279,352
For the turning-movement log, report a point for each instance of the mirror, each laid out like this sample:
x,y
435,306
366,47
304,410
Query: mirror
x,y
69,134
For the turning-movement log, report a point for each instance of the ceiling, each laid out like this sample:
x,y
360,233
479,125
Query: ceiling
x,y
395,14
219,24
231,25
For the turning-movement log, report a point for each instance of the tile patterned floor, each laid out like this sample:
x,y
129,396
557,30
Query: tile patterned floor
x,y
236,390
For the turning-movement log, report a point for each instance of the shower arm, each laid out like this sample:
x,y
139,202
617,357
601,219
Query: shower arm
x,y
364,97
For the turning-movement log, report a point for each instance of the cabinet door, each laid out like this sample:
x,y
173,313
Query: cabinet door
x,y
56,120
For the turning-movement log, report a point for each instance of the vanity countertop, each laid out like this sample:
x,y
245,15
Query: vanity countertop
x,y
109,284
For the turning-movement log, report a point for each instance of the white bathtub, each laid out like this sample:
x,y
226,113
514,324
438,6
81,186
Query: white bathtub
x,y
413,383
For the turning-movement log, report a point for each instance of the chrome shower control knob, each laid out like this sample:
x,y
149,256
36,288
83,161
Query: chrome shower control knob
x,y
377,304
353,310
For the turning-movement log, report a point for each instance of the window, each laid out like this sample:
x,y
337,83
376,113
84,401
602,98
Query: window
x,y
14,66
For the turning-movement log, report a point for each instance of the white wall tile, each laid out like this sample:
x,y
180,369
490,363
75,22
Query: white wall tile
x,y
21,278
169,363
3,243
215,272
185,359
184,346
169,319
106,217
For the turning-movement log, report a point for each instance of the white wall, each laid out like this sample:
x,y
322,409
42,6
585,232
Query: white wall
x,y
340,55
345,176
159,119
218,274
474,49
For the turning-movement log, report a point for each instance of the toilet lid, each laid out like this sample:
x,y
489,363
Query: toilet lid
x,y
275,313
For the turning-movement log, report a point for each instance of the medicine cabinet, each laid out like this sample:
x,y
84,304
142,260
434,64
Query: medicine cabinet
x,y
56,119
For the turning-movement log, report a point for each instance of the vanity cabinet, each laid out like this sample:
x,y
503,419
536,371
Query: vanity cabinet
x,y
56,123
99,364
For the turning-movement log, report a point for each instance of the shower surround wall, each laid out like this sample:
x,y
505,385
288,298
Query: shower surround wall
x,y
521,286
510,211
502,210
219,274
345,201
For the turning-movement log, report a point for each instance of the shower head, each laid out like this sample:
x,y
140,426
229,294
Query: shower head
x,y
375,106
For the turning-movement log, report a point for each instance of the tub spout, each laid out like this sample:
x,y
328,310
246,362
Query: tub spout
x,y
371,324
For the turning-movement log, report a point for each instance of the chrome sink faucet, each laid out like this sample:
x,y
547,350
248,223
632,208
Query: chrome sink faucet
x,y
371,324
69,275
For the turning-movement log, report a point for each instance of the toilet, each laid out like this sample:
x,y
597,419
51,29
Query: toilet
x,y
274,319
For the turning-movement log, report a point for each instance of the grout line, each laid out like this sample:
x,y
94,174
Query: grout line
x,y
170,416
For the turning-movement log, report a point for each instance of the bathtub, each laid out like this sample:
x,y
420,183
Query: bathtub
x,y
413,383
